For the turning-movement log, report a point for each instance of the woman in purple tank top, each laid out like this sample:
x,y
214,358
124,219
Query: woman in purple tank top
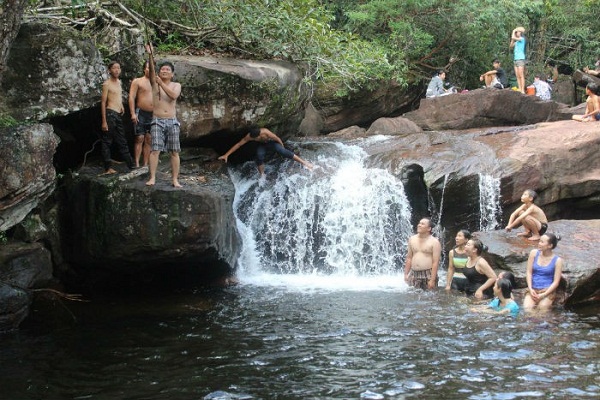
x,y
544,269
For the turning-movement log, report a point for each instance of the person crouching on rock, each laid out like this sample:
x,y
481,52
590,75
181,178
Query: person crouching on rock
x,y
532,217
592,105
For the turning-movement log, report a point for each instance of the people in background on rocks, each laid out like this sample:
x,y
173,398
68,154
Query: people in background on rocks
x,y
480,276
592,105
164,130
544,269
267,140
140,108
518,44
495,77
423,257
543,90
111,107
529,215
436,86
503,302
457,260
595,71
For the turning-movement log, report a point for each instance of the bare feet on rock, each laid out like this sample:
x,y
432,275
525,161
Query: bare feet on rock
x,y
109,171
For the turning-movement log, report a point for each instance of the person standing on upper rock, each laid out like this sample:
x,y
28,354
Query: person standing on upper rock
x,y
141,107
111,107
165,126
529,215
518,42
423,257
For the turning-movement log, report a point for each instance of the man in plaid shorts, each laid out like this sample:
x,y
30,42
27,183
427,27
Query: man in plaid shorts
x,y
164,130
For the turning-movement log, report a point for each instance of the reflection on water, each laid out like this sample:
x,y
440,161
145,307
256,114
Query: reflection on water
x,y
298,342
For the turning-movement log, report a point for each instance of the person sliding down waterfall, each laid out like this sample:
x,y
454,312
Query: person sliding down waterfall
x,y
267,140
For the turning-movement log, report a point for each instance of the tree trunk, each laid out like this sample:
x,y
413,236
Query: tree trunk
x,y
11,12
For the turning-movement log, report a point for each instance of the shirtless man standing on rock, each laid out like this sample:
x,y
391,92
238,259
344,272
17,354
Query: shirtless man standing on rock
x,y
140,108
111,107
165,126
532,217
423,257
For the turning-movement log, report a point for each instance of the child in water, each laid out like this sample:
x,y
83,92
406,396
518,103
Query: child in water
x,y
502,302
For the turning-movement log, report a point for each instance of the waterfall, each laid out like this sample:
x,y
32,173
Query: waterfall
x,y
489,202
341,219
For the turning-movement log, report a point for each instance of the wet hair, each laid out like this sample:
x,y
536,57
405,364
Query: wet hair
x,y
467,234
593,87
168,64
552,238
505,287
110,64
254,132
496,61
532,194
479,246
509,276
146,64
429,222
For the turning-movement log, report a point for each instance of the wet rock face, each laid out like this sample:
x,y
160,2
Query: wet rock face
x,y
28,176
22,267
51,71
119,224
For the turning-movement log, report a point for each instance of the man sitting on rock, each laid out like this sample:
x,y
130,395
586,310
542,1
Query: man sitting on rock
x,y
529,215
495,77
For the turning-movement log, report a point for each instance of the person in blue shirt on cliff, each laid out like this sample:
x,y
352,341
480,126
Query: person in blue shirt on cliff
x,y
518,42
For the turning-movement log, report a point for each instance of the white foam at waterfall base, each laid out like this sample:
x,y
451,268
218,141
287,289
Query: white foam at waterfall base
x,y
341,226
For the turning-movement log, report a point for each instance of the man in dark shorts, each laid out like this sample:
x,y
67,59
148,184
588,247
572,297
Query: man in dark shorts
x,y
141,107
267,141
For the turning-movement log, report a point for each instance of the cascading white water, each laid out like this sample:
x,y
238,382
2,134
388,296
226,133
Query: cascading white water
x,y
489,202
342,219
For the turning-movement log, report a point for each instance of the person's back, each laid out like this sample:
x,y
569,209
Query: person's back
x,y
542,89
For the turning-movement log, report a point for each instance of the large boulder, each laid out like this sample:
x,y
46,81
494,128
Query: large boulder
x,y
114,226
577,247
28,176
51,71
361,107
224,94
484,108
559,160
22,267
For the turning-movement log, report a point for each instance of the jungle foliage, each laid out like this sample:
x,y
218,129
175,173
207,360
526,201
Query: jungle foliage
x,y
353,43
